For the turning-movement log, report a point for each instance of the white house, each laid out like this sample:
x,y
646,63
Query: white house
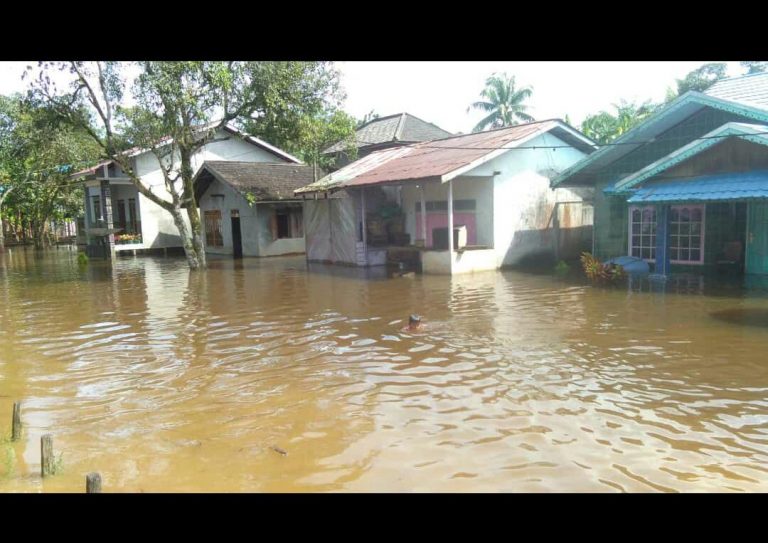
x,y
491,189
118,215
248,208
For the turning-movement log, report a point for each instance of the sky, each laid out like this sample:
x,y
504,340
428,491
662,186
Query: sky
x,y
440,92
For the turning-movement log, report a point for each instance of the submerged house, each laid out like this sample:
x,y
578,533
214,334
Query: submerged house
x,y
687,189
490,190
248,208
384,133
119,218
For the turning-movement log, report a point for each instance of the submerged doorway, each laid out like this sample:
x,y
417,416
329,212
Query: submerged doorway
x,y
757,238
237,239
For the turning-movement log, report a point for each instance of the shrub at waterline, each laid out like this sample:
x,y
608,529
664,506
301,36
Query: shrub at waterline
x,y
598,272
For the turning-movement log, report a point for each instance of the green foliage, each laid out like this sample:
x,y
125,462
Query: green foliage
x,y
562,268
698,80
754,67
605,127
368,117
503,103
82,259
38,151
301,111
598,272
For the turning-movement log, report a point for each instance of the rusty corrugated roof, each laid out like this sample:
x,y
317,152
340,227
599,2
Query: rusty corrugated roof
x,y
440,157
436,159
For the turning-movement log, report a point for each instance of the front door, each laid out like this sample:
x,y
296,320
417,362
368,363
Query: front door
x,y
757,238
237,239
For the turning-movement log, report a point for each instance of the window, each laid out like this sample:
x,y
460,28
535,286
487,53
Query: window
x,y
287,222
686,230
132,226
96,208
213,236
686,233
642,241
121,215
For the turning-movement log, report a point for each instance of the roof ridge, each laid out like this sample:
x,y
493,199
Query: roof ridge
x,y
735,77
456,136
400,126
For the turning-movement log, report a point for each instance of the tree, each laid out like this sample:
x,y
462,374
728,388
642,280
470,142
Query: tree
x,y
368,117
38,151
305,117
699,79
754,67
177,109
604,127
503,103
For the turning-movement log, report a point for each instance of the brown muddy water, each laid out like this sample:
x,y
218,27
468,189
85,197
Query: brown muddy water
x,y
263,375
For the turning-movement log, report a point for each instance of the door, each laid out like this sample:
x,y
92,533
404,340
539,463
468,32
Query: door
x,y
757,237
237,239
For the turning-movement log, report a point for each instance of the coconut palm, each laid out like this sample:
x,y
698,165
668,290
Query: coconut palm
x,y
503,103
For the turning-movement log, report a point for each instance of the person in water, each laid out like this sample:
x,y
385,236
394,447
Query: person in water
x,y
414,324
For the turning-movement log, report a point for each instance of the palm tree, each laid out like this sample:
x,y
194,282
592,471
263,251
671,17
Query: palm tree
x,y
503,103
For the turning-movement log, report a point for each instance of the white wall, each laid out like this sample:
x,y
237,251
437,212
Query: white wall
x,y
158,228
523,200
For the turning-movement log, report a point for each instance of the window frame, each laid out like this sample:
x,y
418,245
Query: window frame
x,y
212,217
690,207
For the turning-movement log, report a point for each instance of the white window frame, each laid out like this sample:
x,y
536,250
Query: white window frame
x,y
690,207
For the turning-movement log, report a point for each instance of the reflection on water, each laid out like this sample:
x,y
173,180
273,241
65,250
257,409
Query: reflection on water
x,y
263,376
744,316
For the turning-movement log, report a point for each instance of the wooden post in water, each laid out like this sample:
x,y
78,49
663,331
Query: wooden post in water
x,y
16,426
93,483
47,462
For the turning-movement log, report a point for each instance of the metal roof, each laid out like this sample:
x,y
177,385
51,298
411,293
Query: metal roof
x,y
401,127
756,133
726,186
659,122
747,89
440,159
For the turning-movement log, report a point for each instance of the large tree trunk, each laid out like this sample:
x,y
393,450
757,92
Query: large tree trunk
x,y
188,195
186,240
2,235
38,232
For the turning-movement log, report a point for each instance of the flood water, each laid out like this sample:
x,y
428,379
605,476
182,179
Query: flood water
x,y
262,375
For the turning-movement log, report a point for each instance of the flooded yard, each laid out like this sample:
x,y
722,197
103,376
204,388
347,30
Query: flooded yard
x,y
264,375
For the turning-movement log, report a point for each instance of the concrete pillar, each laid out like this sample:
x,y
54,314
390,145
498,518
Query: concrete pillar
x,y
423,217
106,212
365,229
450,224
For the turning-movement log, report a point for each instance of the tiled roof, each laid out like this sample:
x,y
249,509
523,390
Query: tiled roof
x,y
727,186
747,89
265,181
402,127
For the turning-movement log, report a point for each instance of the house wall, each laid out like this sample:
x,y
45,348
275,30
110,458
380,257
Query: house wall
x,y
514,207
331,229
158,228
275,247
722,223
254,223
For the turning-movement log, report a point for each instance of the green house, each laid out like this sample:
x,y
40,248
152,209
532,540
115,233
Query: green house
x,y
687,189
